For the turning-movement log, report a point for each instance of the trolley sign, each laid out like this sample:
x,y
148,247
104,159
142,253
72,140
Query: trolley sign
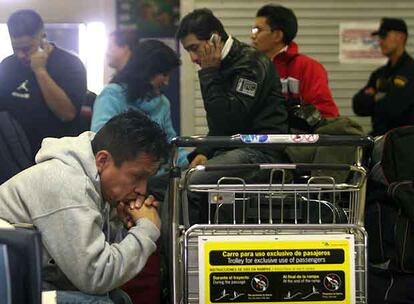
x,y
279,138
277,269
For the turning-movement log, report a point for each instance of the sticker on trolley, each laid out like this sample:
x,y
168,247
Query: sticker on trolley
x,y
277,269
250,139
279,138
304,138
221,197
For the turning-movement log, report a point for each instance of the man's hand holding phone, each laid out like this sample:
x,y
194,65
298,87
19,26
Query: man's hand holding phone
x,y
210,54
38,59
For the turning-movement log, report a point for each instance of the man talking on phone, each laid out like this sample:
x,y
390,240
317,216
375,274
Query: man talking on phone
x,y
41,85
242,94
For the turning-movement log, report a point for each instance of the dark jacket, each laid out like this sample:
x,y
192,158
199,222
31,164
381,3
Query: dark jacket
x,y
393,104
15,154
243,96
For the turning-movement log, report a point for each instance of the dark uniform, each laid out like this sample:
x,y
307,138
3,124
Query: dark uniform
x,y
393,104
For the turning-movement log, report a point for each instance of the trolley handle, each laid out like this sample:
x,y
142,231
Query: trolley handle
x,y
273,140
236,167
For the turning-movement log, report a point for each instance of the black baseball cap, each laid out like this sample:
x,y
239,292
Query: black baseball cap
x,y
390,24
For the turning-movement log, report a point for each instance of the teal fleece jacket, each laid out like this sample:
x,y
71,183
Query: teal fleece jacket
x,y
113,101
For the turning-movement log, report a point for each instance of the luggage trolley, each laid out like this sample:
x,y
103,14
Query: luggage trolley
x,y
288,240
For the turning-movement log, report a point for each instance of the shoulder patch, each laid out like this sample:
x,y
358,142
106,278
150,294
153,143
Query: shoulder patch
x,y
400,81
246,87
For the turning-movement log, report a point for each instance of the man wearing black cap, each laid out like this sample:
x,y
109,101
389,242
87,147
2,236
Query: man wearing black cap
x,y
388,96
304,79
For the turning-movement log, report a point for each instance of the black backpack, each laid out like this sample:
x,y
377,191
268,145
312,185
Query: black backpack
x,y
389,217
15,152
21,264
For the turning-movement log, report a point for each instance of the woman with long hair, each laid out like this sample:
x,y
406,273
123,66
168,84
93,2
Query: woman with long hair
x,y
139,86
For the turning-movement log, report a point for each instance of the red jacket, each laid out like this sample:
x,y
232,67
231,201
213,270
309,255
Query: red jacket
x,y
306,79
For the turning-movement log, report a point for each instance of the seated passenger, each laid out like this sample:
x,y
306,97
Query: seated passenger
x,y
139,86
304,80
65,196
241,93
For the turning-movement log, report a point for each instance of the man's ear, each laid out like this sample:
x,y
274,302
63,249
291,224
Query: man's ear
x,y
402,37
102,160
125,48
278,36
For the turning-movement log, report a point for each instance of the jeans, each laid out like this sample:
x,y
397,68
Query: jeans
x,y
116,296
197,202
77,297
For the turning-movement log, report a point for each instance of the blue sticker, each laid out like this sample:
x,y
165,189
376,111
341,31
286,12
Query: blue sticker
x,y
250,138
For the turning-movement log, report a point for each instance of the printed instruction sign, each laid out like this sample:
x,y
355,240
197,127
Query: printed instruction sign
x,y
277,269
356,45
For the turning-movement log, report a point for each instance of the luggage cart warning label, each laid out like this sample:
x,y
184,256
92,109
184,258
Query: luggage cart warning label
x,y
317,269
279,138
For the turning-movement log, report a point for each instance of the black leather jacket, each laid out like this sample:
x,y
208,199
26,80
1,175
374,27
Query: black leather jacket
x,y
243,96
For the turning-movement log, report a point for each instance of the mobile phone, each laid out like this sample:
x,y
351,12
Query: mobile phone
x,y
42,45
214,39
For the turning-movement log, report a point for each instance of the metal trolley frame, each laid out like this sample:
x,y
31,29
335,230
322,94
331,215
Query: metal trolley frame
x,y
318,210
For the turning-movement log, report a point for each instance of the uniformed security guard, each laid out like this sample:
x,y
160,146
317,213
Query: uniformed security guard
x,y
389,95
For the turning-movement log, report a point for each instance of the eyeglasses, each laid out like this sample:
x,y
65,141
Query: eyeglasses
x,y
256,30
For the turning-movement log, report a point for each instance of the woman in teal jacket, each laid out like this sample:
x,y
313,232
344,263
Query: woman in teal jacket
x,y
138,86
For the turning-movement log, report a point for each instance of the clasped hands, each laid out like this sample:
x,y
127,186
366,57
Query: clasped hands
x,y
142,207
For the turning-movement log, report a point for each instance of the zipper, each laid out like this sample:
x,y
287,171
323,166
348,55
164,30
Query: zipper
x,y
404,245
396,240
394,187
389,287
380,232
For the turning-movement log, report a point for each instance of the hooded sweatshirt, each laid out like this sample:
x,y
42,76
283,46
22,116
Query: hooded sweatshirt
x,y
61,196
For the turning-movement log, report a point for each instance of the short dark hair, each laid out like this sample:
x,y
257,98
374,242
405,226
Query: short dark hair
x,y
129,134
127,38
280,18
202,23
149,58
24,22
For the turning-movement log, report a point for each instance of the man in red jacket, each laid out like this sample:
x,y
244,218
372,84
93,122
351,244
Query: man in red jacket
x,y
304,80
